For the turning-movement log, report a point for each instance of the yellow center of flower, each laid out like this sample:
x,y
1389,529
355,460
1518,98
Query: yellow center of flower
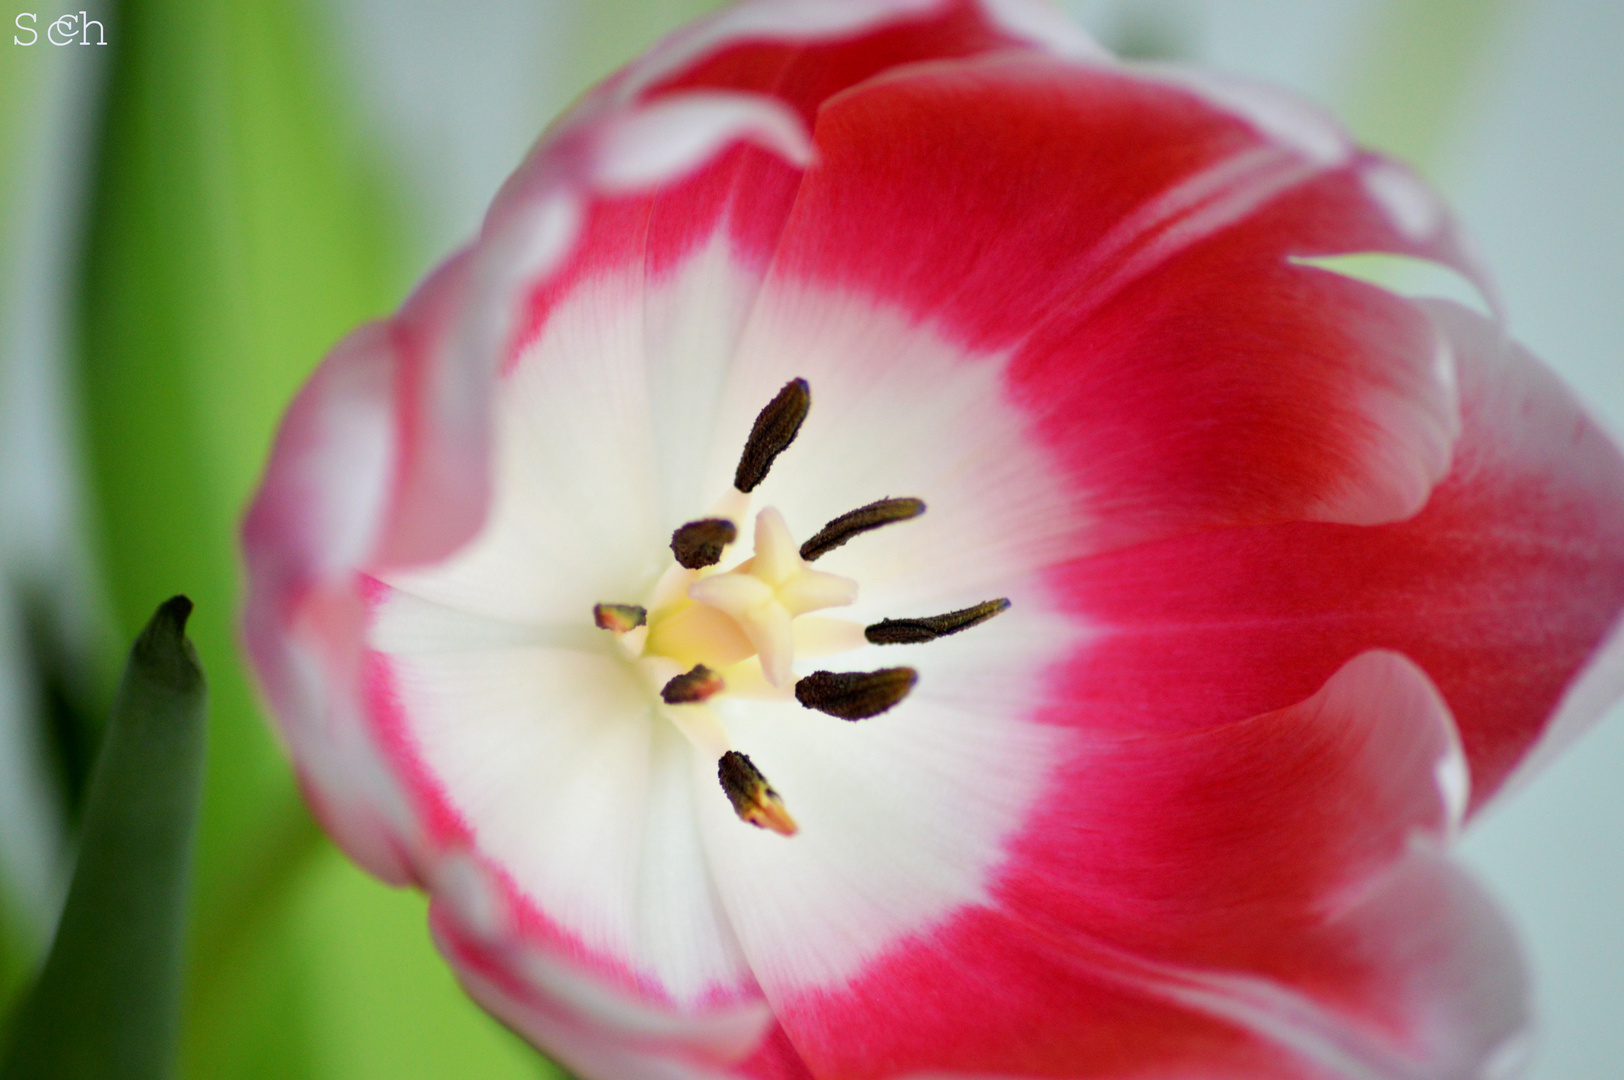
x,y
714,628
723,619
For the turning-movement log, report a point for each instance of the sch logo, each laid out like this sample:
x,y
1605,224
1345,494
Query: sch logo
x,y
68,30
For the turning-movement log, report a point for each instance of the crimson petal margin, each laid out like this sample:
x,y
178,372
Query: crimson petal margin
x,y
746,1044
1265,899
1506,588
1172,356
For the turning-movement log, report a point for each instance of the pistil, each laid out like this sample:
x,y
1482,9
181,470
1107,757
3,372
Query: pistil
x,y
766,593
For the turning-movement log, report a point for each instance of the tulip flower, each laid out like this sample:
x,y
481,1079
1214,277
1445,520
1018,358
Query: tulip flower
x,y
896,553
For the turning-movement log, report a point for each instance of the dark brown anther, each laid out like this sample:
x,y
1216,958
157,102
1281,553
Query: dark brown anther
x,y
619,617
855,695
775,428
700,543
860,520
752,797
697,684
914,631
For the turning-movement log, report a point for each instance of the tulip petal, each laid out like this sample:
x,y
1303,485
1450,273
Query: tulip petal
x,y
561,850
635,1046
570,890
805,70
1172,356
1262,899
898,410
1505,588
669,120
553,764
732,210
903,817
791,53
320,511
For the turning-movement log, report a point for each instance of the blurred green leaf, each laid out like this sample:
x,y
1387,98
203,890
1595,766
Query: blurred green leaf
x,y
238,229
16,958
108,1000
387,1006
19,90
71,732
605,34
234,236
1423,61
253,1022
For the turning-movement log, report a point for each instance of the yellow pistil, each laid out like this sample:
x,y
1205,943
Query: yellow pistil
x,y
764,594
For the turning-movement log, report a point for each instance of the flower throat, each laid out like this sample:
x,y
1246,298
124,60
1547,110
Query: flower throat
x,y
705,634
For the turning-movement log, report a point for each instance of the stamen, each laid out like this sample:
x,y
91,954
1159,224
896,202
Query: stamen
x,y
861,520
915,631
775,428
855,695
700,543
752,797
619,617
697,684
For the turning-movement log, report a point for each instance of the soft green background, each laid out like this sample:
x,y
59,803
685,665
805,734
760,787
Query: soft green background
x,y
236,183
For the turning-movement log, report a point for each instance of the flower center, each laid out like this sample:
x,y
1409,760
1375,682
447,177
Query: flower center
x,y
706,633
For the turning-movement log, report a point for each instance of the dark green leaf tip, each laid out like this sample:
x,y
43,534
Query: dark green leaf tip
x,y
162,650
178,609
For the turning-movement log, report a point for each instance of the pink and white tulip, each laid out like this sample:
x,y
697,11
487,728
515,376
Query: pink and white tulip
x,y
1299,574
